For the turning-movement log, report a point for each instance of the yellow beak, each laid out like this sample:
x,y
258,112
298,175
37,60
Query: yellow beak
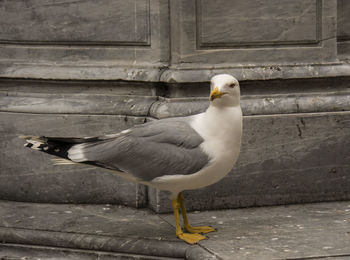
x,y
215,93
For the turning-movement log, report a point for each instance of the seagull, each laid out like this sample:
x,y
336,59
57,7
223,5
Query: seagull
x,y
172,154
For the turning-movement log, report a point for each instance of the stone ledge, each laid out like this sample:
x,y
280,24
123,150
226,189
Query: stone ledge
x,y
97,228
159,107
256,72
125,245
310,231
163,73
75,71
31,252
97,104
258,104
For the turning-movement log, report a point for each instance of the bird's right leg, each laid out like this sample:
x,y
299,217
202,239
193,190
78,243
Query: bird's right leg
x,y
187,237
187,226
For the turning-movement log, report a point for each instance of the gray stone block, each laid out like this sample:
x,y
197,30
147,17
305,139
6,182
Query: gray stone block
x,y
264,97
308,231
96,87
97,228
75,103
265,24
252,33
343,29
176,41
292,158
75,22
203,73
27,252
47,231
82,40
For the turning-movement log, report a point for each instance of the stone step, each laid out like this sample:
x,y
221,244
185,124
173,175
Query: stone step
x,y
67,231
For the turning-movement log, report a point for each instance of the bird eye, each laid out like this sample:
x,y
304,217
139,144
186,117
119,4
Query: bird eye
x,y
232,85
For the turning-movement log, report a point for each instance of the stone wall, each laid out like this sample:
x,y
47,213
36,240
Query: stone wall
x,y
80,68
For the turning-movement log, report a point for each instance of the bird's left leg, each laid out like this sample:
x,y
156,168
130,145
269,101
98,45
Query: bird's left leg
x,y
187,237
187,226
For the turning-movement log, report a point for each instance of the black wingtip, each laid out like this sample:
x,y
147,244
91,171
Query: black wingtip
x,y
29,145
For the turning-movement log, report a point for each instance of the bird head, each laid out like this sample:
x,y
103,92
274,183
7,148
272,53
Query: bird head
x,y
225,90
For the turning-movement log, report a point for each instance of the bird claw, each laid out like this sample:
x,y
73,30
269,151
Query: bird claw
x,y
201,229
191,238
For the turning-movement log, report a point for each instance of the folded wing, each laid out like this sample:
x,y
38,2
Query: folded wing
x,y
148,151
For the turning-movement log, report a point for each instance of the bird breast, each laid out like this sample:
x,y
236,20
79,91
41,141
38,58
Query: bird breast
x,y
222,134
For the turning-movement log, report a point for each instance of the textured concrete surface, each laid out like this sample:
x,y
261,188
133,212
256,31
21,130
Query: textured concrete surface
x,y
252,32
309,231
104,228
200,73
295,135
30,252
176,41
84,39
343,30
78,31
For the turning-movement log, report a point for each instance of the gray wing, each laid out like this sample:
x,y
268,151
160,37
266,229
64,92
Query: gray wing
x,y
163,147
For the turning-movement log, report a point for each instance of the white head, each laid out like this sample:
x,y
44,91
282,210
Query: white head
x,y
225,91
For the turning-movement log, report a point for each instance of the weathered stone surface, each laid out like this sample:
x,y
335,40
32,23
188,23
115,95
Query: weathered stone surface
x,y
343,29
105,219
75,103
27,252
258,104
252,32
102,228
133,233
178,107
100,87
148,73
82,40
133,40
27,175
258,98
265,24
284,159
310,231
266,72
262,97
108,22
76,70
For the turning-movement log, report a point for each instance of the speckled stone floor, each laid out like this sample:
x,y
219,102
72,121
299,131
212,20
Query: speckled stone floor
x,y
64,231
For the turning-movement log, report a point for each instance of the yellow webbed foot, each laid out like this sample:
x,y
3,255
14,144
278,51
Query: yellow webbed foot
x,y
194,235
202,229
191,238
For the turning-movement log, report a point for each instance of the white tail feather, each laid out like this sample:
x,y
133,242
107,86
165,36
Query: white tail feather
x,y
60,161
76,153
35,144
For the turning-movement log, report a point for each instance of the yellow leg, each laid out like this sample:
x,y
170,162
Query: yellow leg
x,y
188,238
188,227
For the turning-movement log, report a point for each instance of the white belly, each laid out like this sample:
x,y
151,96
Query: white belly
x,y
203,178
